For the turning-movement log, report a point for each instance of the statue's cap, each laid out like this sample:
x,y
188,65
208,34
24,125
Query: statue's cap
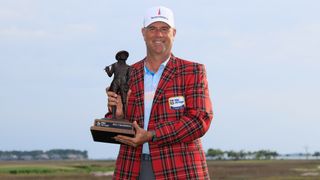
x,y
122,55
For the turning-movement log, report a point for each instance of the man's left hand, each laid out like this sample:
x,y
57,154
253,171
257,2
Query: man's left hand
x,y
141,137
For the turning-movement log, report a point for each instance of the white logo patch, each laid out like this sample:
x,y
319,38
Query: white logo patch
x,y
176,102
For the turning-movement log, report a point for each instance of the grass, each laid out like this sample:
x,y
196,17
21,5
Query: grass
x,y
226,170
34,169
54,169
265,170
49,169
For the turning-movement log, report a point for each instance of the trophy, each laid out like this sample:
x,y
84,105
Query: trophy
x,y
105,129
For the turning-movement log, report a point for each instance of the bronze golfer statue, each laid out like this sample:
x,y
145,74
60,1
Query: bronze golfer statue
x,y
119,85
106,128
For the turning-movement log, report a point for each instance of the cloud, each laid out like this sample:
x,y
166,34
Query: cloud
x,y
7,14
292,45
80,28
62,32
14,11
14,32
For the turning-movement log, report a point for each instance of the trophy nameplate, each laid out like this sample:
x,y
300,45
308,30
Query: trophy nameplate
x,y
105,129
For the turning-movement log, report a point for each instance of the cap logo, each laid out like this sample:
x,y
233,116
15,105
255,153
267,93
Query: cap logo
x,y
158,14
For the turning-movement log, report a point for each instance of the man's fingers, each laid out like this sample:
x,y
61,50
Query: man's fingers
x,y
112,94
135,125
113,98
125,140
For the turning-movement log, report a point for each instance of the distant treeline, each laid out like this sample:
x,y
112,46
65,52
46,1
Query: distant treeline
x,y
257,155
54,154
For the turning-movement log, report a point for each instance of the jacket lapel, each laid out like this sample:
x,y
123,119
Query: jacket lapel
x,y
166,77
138,83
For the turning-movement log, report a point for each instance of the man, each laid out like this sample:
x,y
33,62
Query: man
x,y
170,107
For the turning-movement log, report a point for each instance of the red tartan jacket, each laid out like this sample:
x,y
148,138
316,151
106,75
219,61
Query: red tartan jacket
x,y
177,153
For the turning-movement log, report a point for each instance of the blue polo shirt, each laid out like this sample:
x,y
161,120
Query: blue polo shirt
x,y
151,81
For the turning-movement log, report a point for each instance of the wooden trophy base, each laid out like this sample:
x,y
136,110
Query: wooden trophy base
x,y
105,129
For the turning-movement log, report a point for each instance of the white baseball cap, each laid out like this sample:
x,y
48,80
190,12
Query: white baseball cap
x,y
158,13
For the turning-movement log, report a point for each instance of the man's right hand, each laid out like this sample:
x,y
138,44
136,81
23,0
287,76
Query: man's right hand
x,y
115,100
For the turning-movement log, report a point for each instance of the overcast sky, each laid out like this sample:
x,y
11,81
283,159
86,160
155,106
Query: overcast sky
x,y
262,59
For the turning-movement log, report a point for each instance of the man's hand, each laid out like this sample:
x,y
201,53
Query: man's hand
x,y
141,136
115,100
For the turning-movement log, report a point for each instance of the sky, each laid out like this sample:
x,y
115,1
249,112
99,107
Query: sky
x,y
262,59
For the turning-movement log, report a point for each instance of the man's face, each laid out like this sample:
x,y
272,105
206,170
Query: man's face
x,y
159,37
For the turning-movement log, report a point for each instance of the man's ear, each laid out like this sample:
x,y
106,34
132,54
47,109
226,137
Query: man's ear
x,y
174,32
143,31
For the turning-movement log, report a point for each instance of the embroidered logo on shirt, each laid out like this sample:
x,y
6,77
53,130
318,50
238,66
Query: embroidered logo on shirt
x,y
176,102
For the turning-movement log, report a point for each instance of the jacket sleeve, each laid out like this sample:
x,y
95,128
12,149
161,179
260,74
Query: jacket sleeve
x,y
198,113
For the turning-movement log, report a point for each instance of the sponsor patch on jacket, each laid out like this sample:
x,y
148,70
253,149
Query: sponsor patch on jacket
x,y
176,102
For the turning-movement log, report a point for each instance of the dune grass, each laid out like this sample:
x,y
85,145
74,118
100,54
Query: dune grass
x,y
83,170
55,168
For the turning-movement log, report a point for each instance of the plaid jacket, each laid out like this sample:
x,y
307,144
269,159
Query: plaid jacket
x,y
177,153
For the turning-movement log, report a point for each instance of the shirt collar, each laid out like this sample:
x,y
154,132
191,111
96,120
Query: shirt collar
x,y
162,66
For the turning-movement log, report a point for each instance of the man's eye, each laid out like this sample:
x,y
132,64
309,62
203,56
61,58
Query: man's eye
x,y
164,29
